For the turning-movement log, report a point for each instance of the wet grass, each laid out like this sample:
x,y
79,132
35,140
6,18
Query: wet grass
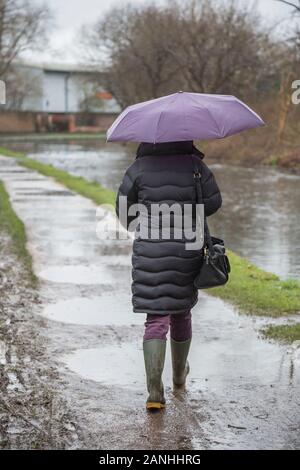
x,y
283,333
91,190
257,292
52,136
14,227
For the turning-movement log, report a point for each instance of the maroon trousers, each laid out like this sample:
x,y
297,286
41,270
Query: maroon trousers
x,y
157,326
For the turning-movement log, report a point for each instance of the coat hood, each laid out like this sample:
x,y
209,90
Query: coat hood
x,y
168,148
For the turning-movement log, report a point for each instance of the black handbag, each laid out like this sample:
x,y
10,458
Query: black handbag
x,y
215,268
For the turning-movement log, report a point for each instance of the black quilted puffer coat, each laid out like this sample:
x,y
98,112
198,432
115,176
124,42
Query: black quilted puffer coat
x,y
163,270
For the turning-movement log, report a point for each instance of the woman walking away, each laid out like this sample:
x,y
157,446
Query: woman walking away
x,y
164,173
163,269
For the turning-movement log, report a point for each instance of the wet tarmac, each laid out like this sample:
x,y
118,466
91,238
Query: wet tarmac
x,y
243,391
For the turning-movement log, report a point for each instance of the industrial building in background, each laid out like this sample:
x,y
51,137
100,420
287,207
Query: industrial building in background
x,y
58,98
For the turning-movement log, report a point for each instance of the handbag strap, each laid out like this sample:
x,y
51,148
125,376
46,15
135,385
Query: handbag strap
x,y
200,200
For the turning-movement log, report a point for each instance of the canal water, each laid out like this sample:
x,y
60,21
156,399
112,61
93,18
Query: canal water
x,y
260,214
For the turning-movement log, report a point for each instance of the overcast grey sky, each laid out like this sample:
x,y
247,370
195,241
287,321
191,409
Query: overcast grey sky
x,y
70,15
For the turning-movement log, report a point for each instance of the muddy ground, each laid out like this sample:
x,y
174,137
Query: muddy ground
x,y
33,412
71,352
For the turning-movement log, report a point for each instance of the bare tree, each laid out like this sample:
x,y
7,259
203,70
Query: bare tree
x,y
21,86
22,27
220,47
195,45
290,66
293,4
135,43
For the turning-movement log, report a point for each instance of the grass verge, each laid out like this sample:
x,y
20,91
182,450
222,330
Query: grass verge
x,y
51,136
14,227
255,291
283,333
252,290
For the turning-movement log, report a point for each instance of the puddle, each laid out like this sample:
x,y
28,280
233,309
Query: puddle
x,y
60,249
3,350
227,358
75,274
36,179
44,193
212,367
65,234
14,383
101,365
78,274
107,309
67,251
247,392
14,171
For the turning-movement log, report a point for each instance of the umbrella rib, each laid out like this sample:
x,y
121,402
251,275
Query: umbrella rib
x,y
251,110
117,123
160,114
209,112
216,124
185,117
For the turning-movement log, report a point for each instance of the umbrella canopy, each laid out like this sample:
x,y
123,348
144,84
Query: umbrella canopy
x,y
183,116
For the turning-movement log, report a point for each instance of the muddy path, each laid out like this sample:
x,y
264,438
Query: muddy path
x,y
33,412
243,392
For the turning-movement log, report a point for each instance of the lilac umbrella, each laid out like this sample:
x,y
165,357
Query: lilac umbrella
x,y
183,116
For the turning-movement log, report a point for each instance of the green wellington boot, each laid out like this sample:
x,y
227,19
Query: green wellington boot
x,y
181,368
154,356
